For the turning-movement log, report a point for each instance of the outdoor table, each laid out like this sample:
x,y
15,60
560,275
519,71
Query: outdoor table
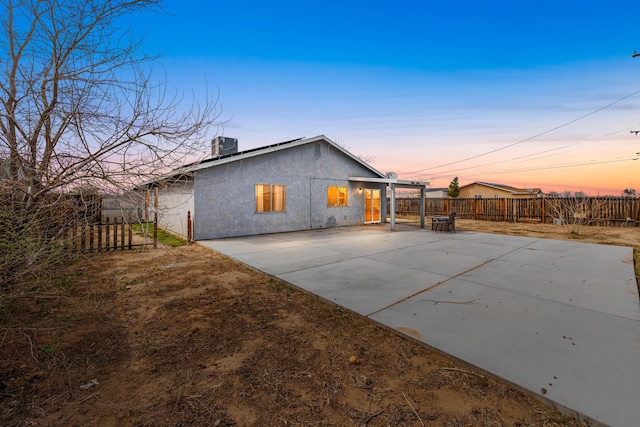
x,y
435,219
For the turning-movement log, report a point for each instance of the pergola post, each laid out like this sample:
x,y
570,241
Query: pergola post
x,y
392,208
422,206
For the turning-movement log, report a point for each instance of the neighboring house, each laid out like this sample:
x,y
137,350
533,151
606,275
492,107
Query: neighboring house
x,y
296,185
485,190
437,193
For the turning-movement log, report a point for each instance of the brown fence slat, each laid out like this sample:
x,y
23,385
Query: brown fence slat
x,y
115,233
606,211
90,237
99,237
122,234
155,230
106,235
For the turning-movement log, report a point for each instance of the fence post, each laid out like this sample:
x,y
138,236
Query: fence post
x,y
504,209
146,206
130,235
115,233
155,230
106,235
74,235
122,234
91,237
100,236
189,232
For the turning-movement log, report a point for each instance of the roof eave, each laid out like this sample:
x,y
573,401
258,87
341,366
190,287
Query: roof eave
x,y
274,148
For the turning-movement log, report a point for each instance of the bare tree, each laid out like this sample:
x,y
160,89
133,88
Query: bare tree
x,y
79,105
575,211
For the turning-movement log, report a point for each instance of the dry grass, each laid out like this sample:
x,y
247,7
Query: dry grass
x,y
185,336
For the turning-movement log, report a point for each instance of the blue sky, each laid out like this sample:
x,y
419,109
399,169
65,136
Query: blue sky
x,y
430,90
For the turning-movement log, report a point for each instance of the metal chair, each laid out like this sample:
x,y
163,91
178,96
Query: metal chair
x,y
448,222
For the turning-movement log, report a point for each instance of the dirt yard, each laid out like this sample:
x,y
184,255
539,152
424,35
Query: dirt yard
x,y
187,337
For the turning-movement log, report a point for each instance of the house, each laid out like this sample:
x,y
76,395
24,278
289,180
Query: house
x,y
437,193
483,190
302,184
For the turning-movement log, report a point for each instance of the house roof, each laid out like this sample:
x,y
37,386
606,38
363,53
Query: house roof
x,y
241,155
189,169
504,187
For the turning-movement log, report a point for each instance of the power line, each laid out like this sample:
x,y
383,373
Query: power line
x,y
560,166
529,138
618,131
506,160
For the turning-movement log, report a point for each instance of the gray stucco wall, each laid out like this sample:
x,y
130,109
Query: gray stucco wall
x,y
225,194
173,204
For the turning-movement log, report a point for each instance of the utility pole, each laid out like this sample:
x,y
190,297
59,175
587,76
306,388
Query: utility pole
x,y
635,55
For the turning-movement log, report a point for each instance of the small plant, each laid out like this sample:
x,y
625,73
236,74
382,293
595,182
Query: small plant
x,y
49,349
62,281
337,311
280,287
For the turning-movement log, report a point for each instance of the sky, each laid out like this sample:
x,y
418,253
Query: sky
x,y
539,94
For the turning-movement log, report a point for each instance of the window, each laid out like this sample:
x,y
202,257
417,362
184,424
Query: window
x,y
271,198
337,196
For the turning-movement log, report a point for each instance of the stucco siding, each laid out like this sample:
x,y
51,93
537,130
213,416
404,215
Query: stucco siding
x,y
476,190
225,195
173,204
324,216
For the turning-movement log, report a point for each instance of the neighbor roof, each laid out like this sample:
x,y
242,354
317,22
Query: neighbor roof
x,y
504,187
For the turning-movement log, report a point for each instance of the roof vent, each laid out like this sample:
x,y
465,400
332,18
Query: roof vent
x,y
222,145
392,175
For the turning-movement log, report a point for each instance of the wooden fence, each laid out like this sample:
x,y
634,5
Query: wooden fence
x,y
607,211
112,234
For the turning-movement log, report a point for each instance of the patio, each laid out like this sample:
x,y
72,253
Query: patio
x,y
560,319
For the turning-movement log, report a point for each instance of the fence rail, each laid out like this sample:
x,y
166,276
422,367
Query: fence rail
x,y
606,211
112,234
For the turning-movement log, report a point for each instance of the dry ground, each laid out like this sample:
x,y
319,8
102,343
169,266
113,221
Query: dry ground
x,y
187,337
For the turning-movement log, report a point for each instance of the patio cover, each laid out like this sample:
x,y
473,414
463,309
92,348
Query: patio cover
x,y
393,182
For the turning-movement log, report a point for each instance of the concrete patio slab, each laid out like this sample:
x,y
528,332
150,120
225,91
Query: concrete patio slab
x,y
343,283
561,319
